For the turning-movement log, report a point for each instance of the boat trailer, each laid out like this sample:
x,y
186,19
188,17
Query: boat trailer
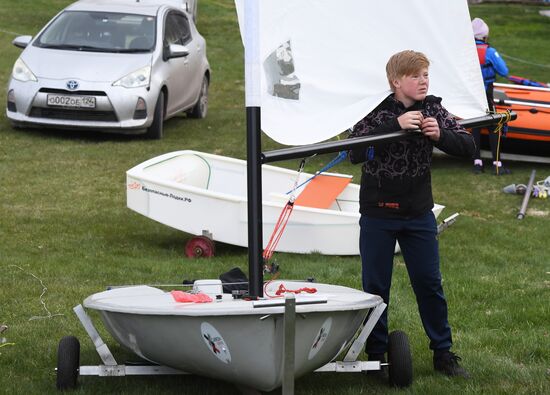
x,y
399,363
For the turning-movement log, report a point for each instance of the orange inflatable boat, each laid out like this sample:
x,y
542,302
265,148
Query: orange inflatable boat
x,y
532,106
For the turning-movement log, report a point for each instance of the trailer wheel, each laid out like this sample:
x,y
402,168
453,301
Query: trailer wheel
x,y
200,247
399,359
68,363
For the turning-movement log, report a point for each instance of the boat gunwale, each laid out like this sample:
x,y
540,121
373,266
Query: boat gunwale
x,y
522,103
239,307
138,172
521,87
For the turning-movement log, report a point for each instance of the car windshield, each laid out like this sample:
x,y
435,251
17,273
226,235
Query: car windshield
x,y
100,32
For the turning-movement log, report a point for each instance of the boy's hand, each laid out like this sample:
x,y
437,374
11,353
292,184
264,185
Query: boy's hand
x,y
430,128
411,120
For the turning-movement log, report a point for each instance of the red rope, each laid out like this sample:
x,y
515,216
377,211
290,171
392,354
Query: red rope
x,y
278,230
267,283
282,289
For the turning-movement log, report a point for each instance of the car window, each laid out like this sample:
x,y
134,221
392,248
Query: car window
x,y
100,31
177,29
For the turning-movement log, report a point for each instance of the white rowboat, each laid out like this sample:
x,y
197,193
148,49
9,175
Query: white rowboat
x,y
201,193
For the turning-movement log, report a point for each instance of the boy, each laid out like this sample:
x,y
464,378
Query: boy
x,y
396,201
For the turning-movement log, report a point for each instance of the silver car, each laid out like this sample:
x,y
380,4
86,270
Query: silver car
x,y
116,65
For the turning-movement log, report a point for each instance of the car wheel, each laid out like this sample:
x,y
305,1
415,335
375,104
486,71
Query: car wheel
x,y
200,108
155,131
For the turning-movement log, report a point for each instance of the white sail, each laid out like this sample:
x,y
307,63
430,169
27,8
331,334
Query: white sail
x,y
322,63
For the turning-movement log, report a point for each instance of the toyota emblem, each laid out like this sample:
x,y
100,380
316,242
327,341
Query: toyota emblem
x,y
72,85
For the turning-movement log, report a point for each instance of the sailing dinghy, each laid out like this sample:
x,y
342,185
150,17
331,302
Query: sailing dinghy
x,y
235,340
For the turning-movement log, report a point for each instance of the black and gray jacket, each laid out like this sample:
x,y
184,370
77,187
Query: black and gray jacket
x,y
396,178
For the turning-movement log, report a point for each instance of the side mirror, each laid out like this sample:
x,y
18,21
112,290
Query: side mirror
x,y
22,41
177,51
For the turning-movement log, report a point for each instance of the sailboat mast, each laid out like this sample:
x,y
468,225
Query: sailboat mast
x,y
253,147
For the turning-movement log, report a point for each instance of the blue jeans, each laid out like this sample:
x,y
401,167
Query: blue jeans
x,y
417,238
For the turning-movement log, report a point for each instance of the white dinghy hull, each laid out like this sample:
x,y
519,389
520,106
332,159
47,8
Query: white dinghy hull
x,y
201,193
233,340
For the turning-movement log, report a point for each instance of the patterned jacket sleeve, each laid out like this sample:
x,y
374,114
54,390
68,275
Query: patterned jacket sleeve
x,y
368,126
454,139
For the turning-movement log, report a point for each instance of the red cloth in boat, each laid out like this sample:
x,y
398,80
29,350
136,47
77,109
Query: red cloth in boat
x,y
186,297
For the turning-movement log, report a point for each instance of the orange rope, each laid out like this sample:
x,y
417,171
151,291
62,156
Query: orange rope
x,y
278,231
283,218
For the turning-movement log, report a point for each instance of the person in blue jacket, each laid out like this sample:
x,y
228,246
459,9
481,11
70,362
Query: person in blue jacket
x,y
491,64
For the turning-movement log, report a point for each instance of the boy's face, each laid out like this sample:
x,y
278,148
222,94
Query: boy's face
x,y
412,88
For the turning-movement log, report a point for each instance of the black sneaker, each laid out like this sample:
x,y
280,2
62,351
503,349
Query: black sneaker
x,y
477,169
501,171
447,363
381,374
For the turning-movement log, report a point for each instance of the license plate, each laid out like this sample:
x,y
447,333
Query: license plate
x,y
71,101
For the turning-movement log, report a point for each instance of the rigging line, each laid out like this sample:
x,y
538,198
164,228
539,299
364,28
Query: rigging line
x,y
498,129
278,230
168,285
295,187
525,61
339,158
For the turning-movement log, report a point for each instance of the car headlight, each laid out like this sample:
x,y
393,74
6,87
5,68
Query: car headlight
x,y
135,79
21,72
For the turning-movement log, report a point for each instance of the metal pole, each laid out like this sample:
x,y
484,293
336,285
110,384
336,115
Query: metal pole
x,y
289,340
253,150
332,146
527,195
336,146
486,120
254,193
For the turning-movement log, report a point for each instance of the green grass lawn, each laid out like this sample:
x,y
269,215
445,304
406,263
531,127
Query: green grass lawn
x,y
65,233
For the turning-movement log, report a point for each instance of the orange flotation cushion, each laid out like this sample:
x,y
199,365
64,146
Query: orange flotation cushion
x,y
322,191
